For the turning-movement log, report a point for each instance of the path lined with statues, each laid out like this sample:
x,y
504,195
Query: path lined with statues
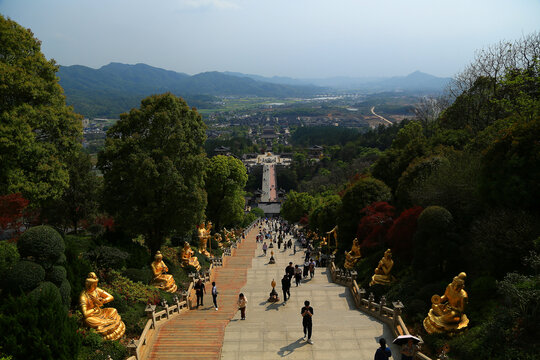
x,y
274,330
198,334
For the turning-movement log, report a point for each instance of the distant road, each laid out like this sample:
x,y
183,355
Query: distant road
x,y
379,116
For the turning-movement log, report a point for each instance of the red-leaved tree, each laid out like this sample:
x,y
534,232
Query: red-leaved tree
x,y
378,218
400,236
12,207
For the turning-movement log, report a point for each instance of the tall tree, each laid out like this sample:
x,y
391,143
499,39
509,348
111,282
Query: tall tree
x,y
226,178
153,167
37,130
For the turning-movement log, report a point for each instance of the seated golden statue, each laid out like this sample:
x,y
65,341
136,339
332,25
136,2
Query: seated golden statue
x,y
204,235
352,257
447,311
219,239
187,257
107,322
382,272
161,279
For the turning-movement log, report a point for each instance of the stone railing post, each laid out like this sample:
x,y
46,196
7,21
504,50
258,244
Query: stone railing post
x,y
382,303
371,299
150,311
132,348
361,294
398,307
166,306
177,302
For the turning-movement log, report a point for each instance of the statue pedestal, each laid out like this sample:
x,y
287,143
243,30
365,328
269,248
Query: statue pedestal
x,y
434,325
274,297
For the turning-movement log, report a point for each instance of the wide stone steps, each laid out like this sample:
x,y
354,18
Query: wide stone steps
x,y
198,334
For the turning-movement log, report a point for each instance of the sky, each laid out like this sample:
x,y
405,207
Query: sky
x,y
295,38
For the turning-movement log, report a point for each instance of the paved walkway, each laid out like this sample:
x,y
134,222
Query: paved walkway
x,y
198,334
273,331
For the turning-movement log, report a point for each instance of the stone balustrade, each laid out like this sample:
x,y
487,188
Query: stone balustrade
x,y
391,316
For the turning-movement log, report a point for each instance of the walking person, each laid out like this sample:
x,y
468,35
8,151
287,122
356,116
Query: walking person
x,y
289,270
307,322
297,275
312,268
306,269
383,352
200,290
242,303
286,287
214,294
264,247
408,350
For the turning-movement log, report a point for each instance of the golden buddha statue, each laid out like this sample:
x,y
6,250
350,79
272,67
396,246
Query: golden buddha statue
x,y
187,256
447,312
107,322
382,272
161,279
352,257
204,235
218,239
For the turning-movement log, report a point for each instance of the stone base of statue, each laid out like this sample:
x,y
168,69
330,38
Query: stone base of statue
x,y
107,323
381,280
205,252
166,283
272,260
434,325
192,262
274,297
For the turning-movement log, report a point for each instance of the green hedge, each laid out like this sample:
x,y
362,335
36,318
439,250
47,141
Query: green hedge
x,y
42,244
24,276
56,275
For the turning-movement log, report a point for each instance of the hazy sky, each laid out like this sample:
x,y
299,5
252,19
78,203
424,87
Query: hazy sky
x,y
297,38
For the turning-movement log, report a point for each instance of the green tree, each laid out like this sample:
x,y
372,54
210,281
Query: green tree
x,y
37,130
408,144
324,217
226,178
153,167
360,194
297,205
81,199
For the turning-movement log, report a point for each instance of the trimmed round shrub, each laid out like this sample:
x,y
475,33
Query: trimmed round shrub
x,y
435,219
25,276
9,256
65,292
107,257
47,289
56,275
42,244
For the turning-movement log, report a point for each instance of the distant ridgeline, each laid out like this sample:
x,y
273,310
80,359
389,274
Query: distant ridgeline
x,y
117,88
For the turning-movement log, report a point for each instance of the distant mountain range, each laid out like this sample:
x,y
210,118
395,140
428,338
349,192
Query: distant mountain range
x,y
116,88
416,81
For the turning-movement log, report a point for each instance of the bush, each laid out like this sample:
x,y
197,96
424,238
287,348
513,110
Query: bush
x,y
65,292
106,257
56,275
95,348
46,288
434,219
77,268
24,276
131,292
9,256
38,327
42,244
139,275
135,319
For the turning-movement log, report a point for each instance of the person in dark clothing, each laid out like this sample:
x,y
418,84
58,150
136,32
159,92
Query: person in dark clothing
x,y
286,287
214,294
307,322
200,290
382,353
289,270
297,275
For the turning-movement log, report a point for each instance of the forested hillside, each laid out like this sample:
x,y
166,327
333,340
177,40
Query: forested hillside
x,y
455,190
